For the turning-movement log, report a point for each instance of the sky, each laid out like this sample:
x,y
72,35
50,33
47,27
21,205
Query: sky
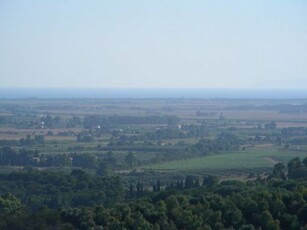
x,y
153,44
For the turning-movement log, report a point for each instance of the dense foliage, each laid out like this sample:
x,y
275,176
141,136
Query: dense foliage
x,y
274,203
36,189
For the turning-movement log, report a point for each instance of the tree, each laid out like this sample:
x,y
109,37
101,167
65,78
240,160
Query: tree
x,y
85,160
247,227
9,204
279,171
189,182
210,181
294,164
110,158
266,220
271,125
158,186
102,169
130,159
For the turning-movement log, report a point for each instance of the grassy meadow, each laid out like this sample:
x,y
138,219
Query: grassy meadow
x,y
258,158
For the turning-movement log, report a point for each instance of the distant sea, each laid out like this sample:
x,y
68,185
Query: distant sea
x,y
151,93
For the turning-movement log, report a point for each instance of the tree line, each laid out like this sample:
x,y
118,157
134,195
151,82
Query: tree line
x,y
45,200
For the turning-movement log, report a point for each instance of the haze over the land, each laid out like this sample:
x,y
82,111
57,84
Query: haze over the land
x,y
153,44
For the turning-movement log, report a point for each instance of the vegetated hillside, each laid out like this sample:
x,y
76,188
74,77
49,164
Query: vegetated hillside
x,y
277,202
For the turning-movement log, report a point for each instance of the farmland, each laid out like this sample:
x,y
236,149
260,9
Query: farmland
x,y
133,137
64,154
254,159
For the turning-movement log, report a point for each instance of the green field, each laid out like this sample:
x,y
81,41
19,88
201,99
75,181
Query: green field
x,y
237,160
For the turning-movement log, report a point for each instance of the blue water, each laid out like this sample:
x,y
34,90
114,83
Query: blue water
x,y
151,93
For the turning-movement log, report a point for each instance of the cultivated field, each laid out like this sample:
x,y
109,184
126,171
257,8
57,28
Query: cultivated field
x,y
252,159
162,137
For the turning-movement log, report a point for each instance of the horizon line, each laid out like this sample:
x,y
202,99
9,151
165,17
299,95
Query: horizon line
x,y
154,88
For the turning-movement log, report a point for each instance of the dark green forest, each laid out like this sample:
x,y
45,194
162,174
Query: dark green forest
x,y
49,200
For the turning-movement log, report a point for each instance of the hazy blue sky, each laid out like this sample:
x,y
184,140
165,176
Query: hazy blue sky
x,y
169,43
